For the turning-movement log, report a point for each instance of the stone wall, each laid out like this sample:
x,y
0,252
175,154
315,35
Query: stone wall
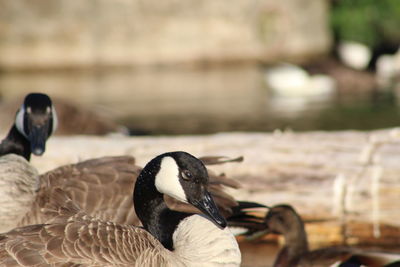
x,y
69,34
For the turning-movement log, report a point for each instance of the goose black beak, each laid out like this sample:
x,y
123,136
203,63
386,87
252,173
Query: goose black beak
x,y
209,208
37,138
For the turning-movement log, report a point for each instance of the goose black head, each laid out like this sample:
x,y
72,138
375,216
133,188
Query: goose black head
x,y
185,178
36,120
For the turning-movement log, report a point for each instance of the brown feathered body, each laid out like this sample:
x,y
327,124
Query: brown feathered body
x,y
102,187
73,238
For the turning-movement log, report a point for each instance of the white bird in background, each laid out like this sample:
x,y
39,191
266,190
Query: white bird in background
x,y
354,55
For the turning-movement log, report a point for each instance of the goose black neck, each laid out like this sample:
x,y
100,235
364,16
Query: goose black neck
x,y
151,209
15,143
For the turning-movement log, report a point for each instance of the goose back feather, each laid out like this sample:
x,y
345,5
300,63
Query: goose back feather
x,y
102,187
72,236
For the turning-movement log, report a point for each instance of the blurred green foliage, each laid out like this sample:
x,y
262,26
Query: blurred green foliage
x,y
372,22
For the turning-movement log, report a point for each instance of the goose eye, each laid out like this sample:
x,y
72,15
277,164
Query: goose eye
x,y
48,110
186,175
28,110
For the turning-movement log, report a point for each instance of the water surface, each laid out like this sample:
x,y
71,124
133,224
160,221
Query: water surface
x,y
205,100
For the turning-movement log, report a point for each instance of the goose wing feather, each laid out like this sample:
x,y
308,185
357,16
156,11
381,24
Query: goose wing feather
x,y
73,237
102,187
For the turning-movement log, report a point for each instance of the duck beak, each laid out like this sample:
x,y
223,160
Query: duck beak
x,y
37,137
209,208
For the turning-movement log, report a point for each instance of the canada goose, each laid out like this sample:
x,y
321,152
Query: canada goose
x,y
35,121
169,238
283,219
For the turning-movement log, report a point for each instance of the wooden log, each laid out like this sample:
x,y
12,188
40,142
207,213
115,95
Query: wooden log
x,y
347,182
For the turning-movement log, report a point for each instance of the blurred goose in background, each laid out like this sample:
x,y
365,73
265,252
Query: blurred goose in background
x,y
169,238
74,118
35,122
284,220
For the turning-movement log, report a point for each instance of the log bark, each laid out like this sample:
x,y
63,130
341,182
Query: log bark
x,y
345,184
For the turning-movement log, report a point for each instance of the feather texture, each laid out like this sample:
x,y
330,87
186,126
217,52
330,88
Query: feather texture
x,y
19,182
102,187
72,236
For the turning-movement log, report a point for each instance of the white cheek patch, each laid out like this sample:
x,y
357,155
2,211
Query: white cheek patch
x,y
167,180
55,119
19,120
